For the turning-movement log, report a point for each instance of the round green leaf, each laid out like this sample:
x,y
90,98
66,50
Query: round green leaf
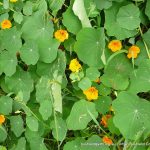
x,y
90,45
8,63
48,49
5,105
17,125
128,17
112,26
59,129
29,53
27,9
80,114
140,79
131,115
11,40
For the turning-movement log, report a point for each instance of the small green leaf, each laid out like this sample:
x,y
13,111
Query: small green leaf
x,y
5,105
17,125
32,123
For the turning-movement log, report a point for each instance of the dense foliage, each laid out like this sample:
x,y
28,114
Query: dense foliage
x,y
74,74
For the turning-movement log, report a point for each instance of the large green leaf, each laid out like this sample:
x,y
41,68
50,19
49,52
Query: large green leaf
x,y
20,81
48,49
37,27
112,26
75,24
5,105
59,129
17,125
29,53
132,115
140,79
90,45
11,40
80,11
128,17
8,63
116,81
80,114
117,72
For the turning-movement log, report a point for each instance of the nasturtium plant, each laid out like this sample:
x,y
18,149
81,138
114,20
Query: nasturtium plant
x,y
74,74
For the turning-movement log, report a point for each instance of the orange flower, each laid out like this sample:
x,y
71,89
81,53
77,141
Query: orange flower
x,y
61,35
107,140
6,24
74,65
115,45
133,51
104,120
91,93
2,119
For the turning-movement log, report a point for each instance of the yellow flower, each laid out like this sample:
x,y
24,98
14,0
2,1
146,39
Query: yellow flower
x,y
2,119
107,140
115,45
91,93
74,65
6,24
133,51
61,35
13,1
